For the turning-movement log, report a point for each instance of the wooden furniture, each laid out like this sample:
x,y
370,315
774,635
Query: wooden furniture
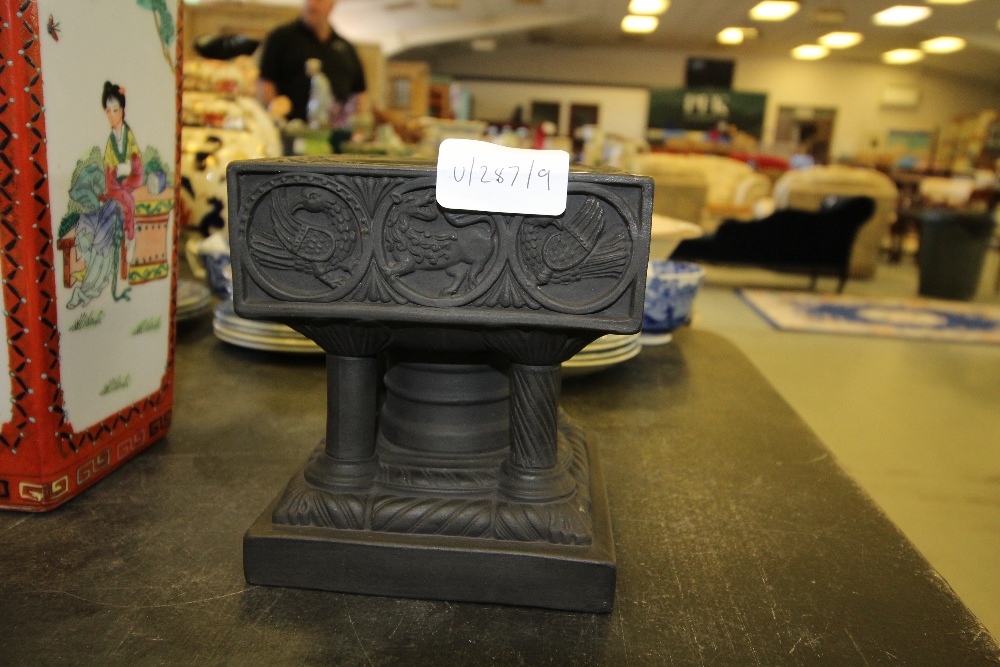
x,y
407,87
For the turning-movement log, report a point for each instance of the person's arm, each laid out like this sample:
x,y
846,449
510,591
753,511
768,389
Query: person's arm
x,y
359,102
267,87
278,106
266,91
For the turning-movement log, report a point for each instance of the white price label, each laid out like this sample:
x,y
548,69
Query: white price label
x,y
480,176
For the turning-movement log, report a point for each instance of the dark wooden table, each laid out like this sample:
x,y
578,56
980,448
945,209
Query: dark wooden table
x,y
740,540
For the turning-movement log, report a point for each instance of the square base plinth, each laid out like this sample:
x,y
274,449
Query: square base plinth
x,y
575,578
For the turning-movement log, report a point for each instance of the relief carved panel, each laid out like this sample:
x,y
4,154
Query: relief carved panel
x,y
353,240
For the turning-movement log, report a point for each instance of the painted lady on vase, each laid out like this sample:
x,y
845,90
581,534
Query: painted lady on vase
x,y
115,234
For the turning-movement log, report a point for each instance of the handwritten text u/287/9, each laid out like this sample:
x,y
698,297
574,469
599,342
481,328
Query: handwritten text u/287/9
x,y
508,175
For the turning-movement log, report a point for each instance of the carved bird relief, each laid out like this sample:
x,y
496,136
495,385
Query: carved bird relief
x,y
579,248
570,246
314,232
462,250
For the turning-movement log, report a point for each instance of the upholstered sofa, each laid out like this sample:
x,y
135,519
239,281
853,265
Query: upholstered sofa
x,y
789,240
807,189
679,189
732,186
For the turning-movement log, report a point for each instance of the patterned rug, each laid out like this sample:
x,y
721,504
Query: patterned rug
x,y
919,319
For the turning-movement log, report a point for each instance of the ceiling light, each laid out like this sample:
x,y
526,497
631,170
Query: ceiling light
x,y
774,10
648,6
735,35
901,15
730,36
943,45
640,24
840,40
902,56
810,52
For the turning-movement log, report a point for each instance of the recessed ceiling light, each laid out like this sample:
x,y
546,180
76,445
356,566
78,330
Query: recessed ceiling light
x,y
730,36
841,40
943,45
901,15
902,56
810,52
648,6
640,24
774,10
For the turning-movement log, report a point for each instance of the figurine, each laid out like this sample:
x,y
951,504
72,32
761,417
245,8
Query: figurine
x,y
321,103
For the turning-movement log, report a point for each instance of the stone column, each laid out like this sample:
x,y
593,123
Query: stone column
x,y
348,461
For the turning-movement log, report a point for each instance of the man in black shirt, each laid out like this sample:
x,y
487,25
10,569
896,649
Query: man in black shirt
x,y
288,47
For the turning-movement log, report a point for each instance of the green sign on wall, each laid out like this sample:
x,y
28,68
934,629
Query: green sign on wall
x,y
705,108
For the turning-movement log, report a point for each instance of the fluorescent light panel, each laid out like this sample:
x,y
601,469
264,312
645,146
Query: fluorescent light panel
x,y
902,56
943,45
810,52
730,36
774,10
648,6
901,15
639,24
841,40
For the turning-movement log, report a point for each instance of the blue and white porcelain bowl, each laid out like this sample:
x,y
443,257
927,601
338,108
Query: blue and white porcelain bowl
x,y
209,260
671,287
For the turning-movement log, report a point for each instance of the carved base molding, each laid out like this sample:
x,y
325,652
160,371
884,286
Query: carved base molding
x,y
465,499
428,537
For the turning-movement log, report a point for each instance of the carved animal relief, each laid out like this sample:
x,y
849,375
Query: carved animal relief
x,y
387,241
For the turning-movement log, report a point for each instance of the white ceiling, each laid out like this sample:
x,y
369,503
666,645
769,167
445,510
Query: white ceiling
x,y
689,25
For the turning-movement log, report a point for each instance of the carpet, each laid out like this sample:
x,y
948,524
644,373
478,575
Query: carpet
x,y
919,319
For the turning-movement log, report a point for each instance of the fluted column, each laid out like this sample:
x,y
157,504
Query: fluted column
x,y
532,472
534,406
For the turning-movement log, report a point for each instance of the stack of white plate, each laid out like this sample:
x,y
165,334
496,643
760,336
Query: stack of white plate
x,y
603,353
193,299
259,335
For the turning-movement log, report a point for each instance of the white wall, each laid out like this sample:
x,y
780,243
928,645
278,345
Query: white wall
x,y
854,89
622,111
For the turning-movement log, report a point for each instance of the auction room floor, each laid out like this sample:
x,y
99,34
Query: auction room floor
x,y
917,424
